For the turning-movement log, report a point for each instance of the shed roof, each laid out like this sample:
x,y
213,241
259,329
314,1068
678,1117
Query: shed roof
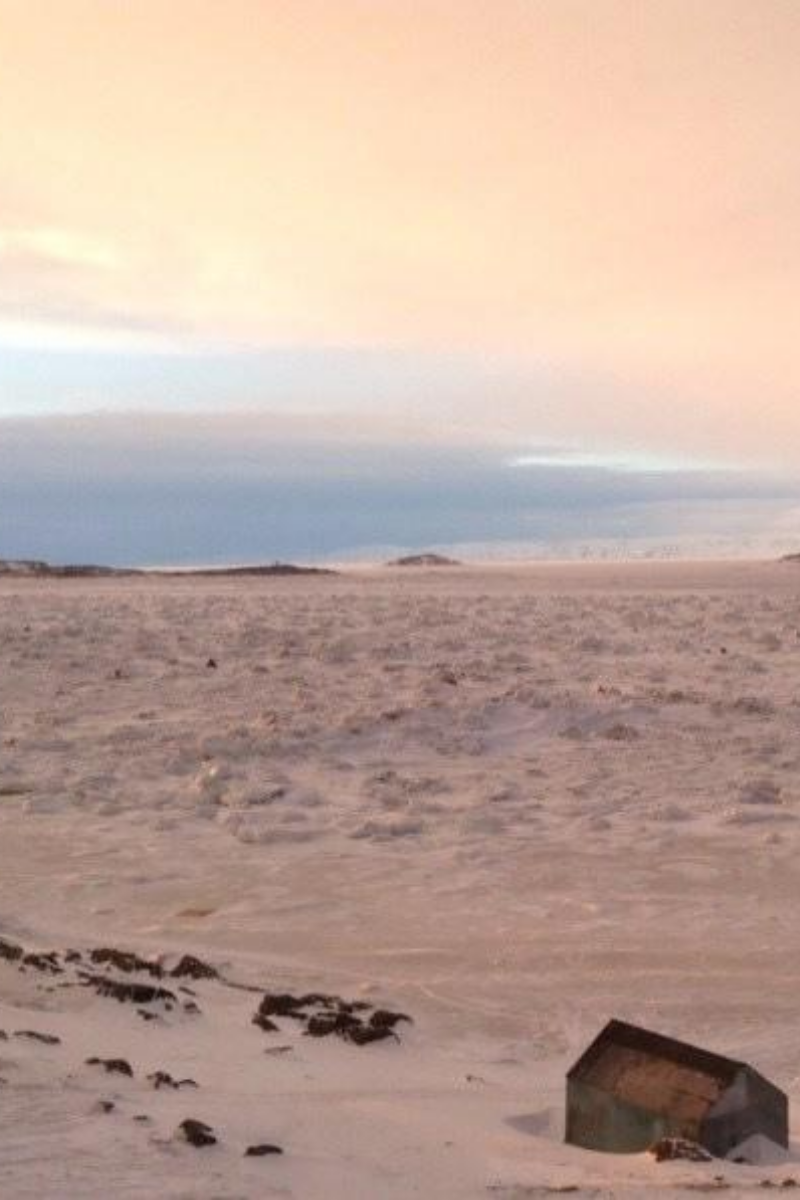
x,y
654,1072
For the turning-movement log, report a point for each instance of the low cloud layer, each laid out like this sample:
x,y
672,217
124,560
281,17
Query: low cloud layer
x,y
173,489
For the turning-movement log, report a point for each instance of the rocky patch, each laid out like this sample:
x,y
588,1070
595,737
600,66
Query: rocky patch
x,y
125,961
47,1039
324,1015
113,1066
124,992
197,1133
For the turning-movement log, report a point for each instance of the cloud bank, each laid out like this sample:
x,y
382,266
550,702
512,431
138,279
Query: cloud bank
x,y
213,489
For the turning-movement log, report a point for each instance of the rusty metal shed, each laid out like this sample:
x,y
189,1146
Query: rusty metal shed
x,y
632,1087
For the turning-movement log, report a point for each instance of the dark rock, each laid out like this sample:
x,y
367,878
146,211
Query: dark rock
x,y
44,962
265,1023
105,1106
148,1016
113,1066
282,1005
325,1024
323,1000
72,956
133,993
262,1149
383,1018
362,1035
161,1079
197,1133
10,951
212,664
192,1007
190,967
125,961
47,1039
333,1016
3,1035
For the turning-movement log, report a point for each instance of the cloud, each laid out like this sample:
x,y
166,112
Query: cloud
x,y
65,287
245,487
609,190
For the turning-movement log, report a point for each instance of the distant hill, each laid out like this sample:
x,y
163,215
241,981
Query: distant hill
x,y
795,558
424,560
36,569
277,568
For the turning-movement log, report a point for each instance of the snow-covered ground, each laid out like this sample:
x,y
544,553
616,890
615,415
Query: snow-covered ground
x,y
510,802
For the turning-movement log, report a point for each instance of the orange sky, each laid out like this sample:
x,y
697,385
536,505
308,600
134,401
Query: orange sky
x,y
613,185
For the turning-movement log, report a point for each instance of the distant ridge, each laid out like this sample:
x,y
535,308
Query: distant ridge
x,y
792,558
424,560
277,568
36,569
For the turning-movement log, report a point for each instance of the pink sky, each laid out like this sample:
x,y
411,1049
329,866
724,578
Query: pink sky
x,y
605,187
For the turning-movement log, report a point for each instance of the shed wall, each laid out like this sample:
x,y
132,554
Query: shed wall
x,y
765,1111
597,1120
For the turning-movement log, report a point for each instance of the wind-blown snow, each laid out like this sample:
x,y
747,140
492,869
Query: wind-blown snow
x,y
511,802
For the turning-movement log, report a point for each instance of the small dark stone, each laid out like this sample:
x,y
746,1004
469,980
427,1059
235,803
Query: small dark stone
x,y
362,1035
3,1035
212,664
142,1119
190,967
324,1026
197,1133
148,1016
191,1007
48,1039
113,1066
10,951
262,1149
161,1079
105,1106
72,956
265,1023
340,1023
281,1004
382,1018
